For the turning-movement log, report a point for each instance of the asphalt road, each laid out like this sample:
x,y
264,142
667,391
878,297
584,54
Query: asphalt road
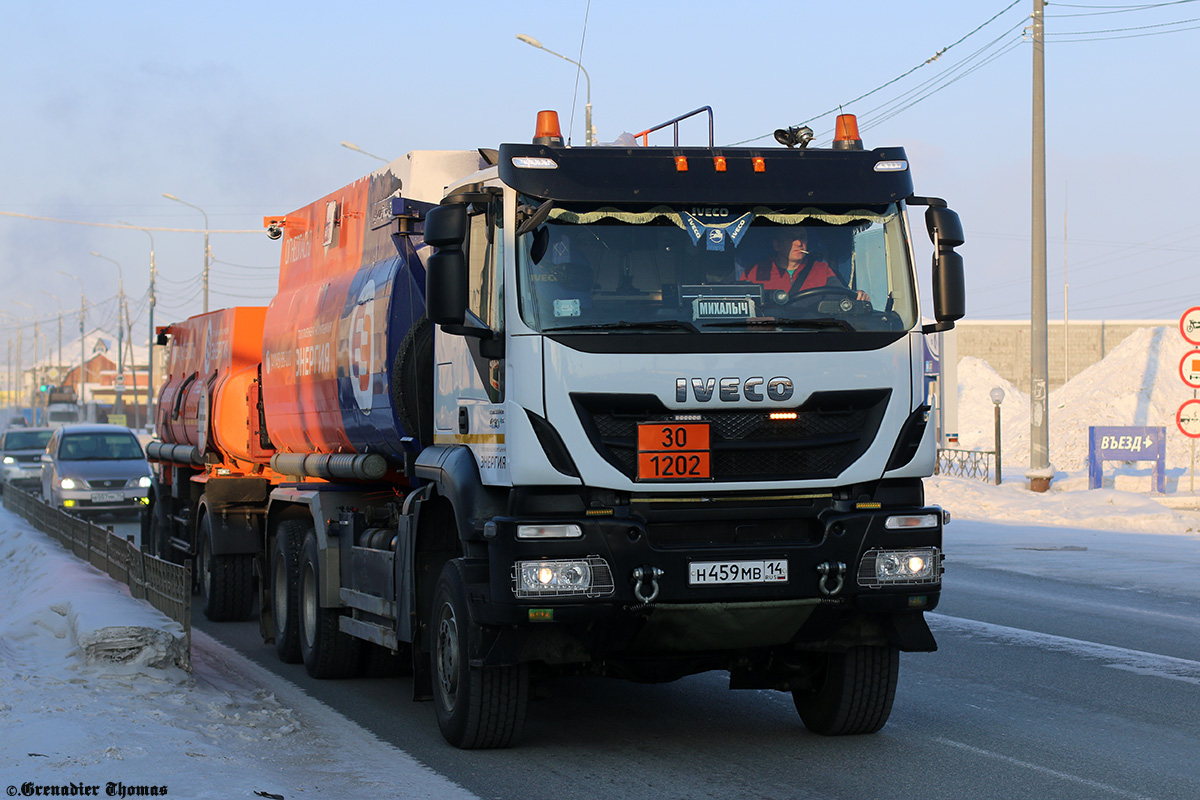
x,y
1039,689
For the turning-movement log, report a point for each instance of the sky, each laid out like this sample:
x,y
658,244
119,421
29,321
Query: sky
x,y
239,110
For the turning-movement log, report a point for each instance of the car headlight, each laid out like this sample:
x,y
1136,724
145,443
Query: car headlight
x,y
899,567
145,482
9,460
67,483
591,577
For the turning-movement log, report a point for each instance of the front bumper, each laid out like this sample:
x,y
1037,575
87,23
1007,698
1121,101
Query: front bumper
x,y
107,500
650,601
23,477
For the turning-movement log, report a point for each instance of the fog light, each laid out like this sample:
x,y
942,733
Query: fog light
x,y
898,567
584,576
68,503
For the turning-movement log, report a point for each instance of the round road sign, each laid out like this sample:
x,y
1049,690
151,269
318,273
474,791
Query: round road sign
x,y
1188,419
1189,325
1189,368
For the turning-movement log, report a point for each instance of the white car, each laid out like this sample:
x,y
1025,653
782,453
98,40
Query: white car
x,y
21,453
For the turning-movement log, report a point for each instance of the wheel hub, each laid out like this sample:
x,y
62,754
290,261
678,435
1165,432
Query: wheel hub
x,y
447,657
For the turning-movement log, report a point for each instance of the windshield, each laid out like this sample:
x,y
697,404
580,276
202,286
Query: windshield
x,y
27,440
716,269
99,447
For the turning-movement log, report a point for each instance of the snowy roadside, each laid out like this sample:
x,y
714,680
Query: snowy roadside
x,y
1102,537
72,717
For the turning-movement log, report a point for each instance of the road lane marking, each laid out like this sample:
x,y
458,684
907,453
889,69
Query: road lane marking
x,y
1066,776
1137,661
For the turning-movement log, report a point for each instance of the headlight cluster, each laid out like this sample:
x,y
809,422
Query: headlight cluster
x,y
900,567
589,577
9,460
144,482
68,484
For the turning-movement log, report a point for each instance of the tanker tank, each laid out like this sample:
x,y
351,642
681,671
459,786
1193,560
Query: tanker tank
x,y
347,351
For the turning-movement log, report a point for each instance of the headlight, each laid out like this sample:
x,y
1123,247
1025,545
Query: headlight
x,y
145,482
67,483
898,567
9,460
549,532
590,577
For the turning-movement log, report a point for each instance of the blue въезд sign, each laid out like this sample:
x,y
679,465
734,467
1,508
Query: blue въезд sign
x,y
1127,444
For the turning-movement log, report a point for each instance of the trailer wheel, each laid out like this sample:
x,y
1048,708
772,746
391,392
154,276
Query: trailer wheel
x,y
476,707
285,590
853,693
226,581
327,652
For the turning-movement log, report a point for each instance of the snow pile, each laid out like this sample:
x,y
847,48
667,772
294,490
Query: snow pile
x,y
99,617
1137,384
73,717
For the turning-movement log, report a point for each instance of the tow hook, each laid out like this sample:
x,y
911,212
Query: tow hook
x,y
836,571
642,575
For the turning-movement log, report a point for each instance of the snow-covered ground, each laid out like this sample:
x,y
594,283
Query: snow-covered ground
x,y
73,716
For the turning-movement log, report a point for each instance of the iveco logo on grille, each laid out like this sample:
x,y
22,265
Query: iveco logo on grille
x,y
730,390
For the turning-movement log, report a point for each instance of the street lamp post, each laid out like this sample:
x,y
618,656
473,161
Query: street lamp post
x,y
207,251
589,138
151,337
82,349
120,382
20,365
58,366
357,149
997,395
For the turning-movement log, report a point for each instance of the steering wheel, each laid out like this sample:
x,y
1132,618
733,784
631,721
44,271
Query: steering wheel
x,y
832,292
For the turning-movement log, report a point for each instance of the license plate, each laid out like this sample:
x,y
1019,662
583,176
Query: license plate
x,y
673,451
107,497
717,573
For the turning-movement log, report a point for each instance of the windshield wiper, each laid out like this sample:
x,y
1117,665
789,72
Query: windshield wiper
x,y
675,324
816,324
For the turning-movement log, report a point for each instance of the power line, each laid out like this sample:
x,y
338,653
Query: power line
x,y
899,77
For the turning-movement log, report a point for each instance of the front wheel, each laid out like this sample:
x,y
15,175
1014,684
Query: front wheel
x,y
853,693
477,707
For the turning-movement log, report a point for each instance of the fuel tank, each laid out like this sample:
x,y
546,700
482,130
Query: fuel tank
x,y
212,361
347,353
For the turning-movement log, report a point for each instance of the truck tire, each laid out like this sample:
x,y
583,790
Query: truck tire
x,y
327,652
477,707
226,581
285,589
853,694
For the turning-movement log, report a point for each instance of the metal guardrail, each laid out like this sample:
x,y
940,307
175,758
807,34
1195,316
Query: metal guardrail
x,y
166,586
968,464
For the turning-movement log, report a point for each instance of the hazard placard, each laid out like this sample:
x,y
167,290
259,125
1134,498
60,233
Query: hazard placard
x,y
1188,419
1189,369
1189,325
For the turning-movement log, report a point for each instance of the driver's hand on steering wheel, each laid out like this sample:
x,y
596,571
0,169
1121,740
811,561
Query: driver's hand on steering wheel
x,y
863,296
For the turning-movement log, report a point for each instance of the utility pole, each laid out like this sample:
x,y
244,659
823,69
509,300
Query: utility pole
x,y
1040,470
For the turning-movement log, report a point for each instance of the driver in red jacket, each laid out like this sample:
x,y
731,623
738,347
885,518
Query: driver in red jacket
x,y
791,268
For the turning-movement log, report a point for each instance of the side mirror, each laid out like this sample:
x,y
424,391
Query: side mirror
x,y
949,284
446,282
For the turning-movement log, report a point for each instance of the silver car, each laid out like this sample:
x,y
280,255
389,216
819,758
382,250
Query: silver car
x,y
95,469
21,454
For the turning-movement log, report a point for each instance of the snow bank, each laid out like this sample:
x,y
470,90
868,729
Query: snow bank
x,y
73,716
97,616
1136,384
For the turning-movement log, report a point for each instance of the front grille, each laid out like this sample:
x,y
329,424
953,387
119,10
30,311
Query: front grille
x,y
830,431
116,483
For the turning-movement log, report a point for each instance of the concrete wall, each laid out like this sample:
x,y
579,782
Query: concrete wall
x,y
1004,344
